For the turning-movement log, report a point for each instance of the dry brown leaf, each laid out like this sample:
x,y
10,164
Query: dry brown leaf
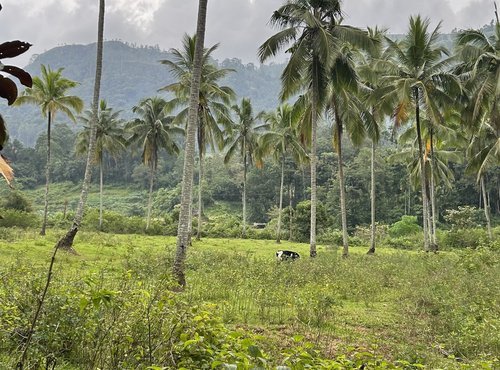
x,y
6,170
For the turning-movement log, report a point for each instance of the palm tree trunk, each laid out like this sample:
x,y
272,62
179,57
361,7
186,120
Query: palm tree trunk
x,y
278,232
66,242
486,207
183,229
434,245
372,198
200,201
47,177
313,159
423,179
343,211
150,195
290,212
244,233
100,192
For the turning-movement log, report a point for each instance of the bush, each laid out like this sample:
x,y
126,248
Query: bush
x,y
410,242
465,217
228,226
405,227
15,218
464,238
16,200
330,236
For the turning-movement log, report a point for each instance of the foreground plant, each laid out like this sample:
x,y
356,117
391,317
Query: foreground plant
x,y
8,91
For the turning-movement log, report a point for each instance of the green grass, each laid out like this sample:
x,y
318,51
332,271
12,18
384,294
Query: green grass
x,y
398,304
124,200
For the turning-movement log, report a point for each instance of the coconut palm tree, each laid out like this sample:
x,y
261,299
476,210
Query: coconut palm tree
x,y
49,93
244,140
283,139
480,56
109,139
213,106
311,32
153,131
66,242
371,79
350,115
418,79
183,231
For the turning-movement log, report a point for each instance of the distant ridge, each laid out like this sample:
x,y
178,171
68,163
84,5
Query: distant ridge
x,y
130,74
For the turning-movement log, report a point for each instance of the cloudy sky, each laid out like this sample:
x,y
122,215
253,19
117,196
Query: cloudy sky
x,y
239,25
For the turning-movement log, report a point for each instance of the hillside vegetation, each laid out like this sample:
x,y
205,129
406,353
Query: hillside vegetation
x,y
131,73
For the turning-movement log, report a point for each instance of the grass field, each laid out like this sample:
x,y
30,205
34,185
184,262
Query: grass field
x,y
439,310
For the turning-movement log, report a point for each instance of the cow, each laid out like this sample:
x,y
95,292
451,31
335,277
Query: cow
x,y
286,255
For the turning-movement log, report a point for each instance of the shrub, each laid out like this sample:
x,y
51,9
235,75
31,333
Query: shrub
x,y
330,236
409,242
464,238
15,218
16,200
465,217
405,227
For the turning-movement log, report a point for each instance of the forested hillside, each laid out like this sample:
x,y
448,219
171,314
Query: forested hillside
x,y
130,74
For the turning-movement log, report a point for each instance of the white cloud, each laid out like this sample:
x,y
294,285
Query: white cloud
x,y
239,25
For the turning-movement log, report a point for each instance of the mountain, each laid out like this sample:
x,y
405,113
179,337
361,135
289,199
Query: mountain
x,y
130,74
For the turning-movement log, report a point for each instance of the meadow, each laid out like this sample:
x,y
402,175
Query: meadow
x,y
115,305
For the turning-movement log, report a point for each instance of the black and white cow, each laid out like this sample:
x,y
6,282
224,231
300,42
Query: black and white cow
x,y
286,255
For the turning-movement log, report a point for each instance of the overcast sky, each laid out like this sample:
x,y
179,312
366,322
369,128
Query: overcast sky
x,y
240,26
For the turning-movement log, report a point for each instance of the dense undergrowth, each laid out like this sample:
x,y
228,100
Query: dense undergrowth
x,y
115,306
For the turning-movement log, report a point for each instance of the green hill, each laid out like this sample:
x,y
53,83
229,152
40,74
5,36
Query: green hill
x,y
130,74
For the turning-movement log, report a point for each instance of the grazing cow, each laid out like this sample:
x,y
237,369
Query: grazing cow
x,y
286,255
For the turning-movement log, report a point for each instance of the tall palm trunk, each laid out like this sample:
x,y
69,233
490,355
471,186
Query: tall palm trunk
x,y
150,194
66,242
290,214
200,201
200,179
278,231
313,159
100,191
47,176
423,180
244,200
372,199
343,211
183,230
434,245
486,207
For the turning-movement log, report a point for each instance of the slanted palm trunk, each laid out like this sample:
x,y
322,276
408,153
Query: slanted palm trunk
x,y
486,207
278,231
314,117
66,242
423,180
183,230
343,212
100,191
372,199
244,232
150,196
47,177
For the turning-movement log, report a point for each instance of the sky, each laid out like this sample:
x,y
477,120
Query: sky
x,y
240,26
